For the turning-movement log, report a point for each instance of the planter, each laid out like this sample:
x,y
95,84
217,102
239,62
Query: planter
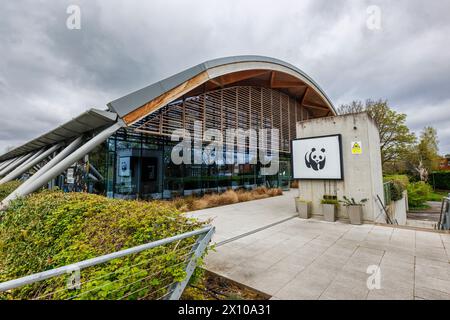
x,y
355,214
329,212
303,208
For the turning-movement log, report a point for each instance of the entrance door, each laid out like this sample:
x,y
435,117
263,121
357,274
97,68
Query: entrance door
x,y
149,176
284,175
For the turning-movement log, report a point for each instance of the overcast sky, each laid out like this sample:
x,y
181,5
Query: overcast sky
x,y
49,73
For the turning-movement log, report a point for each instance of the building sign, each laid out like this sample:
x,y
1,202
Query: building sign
x,y
70,176
356,147
124,167
317,158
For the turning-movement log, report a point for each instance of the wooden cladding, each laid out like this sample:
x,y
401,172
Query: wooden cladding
x,y
243,107
141,112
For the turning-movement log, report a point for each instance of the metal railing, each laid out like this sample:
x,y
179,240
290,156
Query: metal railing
x,y
156,270
444,218
387,193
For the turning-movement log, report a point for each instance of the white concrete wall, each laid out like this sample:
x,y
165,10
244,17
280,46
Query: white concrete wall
x,y
362,173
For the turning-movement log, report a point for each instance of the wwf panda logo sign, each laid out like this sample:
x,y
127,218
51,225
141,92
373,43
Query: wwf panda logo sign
x,y
317,158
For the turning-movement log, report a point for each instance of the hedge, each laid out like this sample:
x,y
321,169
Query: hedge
x,y
418,193
52,229
7,188
398,183
440,180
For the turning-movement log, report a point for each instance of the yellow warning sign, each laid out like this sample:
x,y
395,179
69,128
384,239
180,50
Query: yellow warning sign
x,y
356,147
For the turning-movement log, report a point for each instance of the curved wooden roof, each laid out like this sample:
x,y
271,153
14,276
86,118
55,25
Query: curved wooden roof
x,y
219,73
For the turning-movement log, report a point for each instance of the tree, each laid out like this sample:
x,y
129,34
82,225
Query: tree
x,y
395,137
426,152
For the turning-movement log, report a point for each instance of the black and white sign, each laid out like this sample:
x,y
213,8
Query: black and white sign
x,y
124,167
317,158
70,176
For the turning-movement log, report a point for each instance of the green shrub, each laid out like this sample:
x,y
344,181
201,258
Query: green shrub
x,y
51,229
330,201
398,184
440,180
397,189
418,193
8,187
400,178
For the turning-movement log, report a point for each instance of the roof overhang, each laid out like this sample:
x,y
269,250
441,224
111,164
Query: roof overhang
x,y
137,105
90,120
215,73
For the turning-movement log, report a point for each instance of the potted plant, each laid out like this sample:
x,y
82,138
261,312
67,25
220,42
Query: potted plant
x,y
329,208
303,208
354,209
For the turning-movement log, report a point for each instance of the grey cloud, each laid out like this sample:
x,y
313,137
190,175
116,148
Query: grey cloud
x,y
49,73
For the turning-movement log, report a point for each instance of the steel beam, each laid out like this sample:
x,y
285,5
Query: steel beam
x,y
26,162
6,163
60,166
29,164
16,164
95,172
60,156
12,162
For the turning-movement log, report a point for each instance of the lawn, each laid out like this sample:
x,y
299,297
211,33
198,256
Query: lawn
x,y
437,195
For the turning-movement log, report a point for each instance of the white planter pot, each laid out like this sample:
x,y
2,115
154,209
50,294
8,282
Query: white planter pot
x,y
329,212
303,208
355,214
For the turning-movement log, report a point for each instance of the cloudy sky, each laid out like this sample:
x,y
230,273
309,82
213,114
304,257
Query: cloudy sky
x,y
49,73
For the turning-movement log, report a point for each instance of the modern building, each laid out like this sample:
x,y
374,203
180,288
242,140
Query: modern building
x,y
242,92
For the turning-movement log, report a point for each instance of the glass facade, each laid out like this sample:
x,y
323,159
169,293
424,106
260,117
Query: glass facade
x,y
139,157
139,166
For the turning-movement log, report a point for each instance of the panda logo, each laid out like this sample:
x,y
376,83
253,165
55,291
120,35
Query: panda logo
x,y
315,159
124,166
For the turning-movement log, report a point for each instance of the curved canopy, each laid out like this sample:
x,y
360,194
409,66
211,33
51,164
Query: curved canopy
x,y
90,120
223,72
211,75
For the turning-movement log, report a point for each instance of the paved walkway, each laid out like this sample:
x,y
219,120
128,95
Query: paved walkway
x,y
311,259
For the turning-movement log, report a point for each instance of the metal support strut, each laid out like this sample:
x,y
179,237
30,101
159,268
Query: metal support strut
x,y
58,164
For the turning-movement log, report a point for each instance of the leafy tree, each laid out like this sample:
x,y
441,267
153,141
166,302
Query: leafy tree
x,y
425,154
395,137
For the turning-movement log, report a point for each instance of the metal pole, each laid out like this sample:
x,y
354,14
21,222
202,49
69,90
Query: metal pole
x,y
6,163
8,285
59,167
16,164
64,153
199,248
27,166
95,172
26,162
12,162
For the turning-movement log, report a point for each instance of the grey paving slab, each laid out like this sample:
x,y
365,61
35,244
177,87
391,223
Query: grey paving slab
x,y
312,259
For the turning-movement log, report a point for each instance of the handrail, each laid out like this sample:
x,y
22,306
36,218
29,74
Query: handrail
x,y
444,217
12,284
